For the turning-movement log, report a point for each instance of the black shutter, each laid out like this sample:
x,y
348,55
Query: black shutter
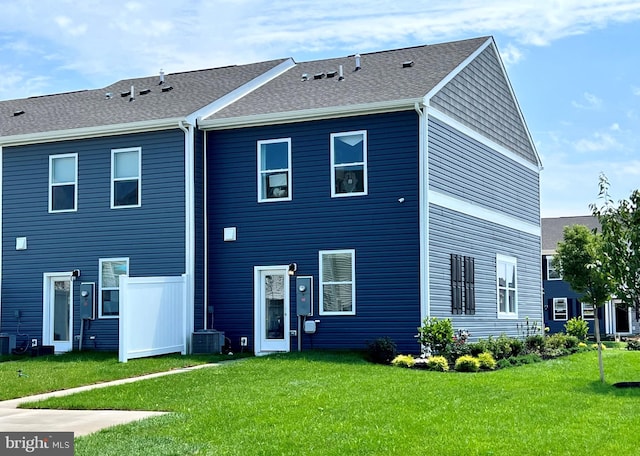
x,y
469,286
456,284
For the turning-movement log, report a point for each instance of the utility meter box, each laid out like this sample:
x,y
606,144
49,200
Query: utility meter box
x,y
304,296
87,300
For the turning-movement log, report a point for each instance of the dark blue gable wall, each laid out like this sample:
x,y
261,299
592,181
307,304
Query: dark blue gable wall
x,y
383,231
151,236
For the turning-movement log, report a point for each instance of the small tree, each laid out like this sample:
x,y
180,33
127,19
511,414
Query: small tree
x,y
579,259
621,243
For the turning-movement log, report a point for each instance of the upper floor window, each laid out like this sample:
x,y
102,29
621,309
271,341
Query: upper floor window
x,y
552,272
110,271
337,282
560,309
125,177
63,182
274,170
349,163
506,269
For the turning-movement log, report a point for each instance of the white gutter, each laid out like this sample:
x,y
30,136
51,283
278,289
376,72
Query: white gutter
x,y
189,196
305,115
90,132
423,209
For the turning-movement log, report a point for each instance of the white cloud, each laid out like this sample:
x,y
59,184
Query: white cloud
x,y
590,102
511,55
598,142
635,90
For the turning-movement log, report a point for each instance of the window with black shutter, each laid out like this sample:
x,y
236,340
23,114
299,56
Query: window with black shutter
x,y
463,293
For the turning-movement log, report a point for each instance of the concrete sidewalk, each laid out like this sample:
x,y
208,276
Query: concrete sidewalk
x,y
80,422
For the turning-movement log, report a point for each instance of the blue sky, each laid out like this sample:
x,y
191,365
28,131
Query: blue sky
x,y
574,64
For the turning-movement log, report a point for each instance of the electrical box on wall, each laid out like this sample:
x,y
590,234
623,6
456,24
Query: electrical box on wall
x,y
87,300
304,296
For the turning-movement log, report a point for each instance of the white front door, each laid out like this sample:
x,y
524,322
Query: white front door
x,y
271,287
58,312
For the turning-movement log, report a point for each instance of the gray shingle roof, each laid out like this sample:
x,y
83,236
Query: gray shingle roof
x,y
552,229
381,78
191,91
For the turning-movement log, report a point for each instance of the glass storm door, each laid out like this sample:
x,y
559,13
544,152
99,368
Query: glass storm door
x,y
59,322
272,316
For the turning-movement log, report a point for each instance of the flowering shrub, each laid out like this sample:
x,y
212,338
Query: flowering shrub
x,y
435,335
403,361
467,363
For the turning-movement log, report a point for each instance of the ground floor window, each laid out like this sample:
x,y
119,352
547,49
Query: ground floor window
x,y
110,271
337,282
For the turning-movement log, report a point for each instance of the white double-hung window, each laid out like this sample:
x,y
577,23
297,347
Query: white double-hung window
x,y
337,282
349,163
126,171
63,183
110,271
506,272
274,170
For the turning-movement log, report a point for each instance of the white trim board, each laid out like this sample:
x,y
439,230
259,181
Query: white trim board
x,y
483,213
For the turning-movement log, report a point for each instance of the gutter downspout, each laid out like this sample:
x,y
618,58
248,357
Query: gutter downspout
x,y
423,209
189,196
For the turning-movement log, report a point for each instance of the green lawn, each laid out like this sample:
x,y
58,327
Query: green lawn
x,y
322,403
52,373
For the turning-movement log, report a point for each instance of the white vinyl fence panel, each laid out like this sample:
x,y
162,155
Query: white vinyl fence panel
x,y
153,314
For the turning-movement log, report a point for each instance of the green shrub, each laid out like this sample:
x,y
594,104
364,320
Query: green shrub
x,y
486,361
438,363
467,363
381,350
502,347
519,360
436,334
633,344
456,350
403,361
577,327
535,344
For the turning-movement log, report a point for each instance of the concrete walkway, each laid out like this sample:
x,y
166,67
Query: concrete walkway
x,y
80,422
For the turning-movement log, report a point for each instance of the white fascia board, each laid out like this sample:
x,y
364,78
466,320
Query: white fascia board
x,y
483,213
91,132
483,139
305,115
240,92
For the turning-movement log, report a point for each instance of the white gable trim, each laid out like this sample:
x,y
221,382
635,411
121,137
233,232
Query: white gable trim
x,y
241,91
447,79
483,139
483,213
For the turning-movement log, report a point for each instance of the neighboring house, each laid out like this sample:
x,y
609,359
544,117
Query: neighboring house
x,y
365,193
101,183
398,185
561,303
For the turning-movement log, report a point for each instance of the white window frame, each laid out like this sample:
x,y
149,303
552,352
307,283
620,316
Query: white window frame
x,y
351,252
595,309
263,198
52,158
101,261
551,268
114,152
502,259
363,163
556,301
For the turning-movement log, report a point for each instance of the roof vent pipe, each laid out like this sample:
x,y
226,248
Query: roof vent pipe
x,y
358,62
340,73
133,93
161,77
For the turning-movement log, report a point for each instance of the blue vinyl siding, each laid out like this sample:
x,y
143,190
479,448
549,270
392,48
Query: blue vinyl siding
x,y
199,269
452,232
151,236
383,232
464,168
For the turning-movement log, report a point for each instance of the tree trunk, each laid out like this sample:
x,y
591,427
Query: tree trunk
x,y
596,323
